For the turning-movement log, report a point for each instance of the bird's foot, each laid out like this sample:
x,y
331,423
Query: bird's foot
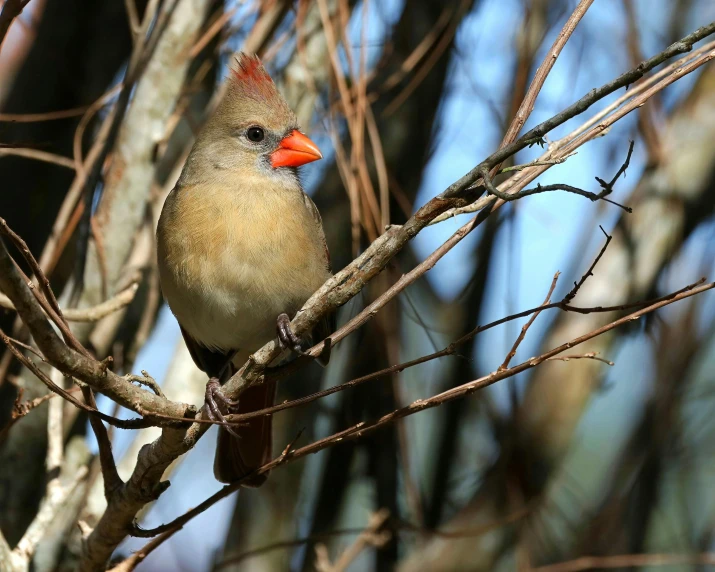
x,y
286,335
213,397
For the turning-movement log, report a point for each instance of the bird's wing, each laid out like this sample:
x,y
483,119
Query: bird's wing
x,y
310,205
210,361
328,324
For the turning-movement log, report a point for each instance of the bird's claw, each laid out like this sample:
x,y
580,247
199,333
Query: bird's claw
x,y
286,335
214,395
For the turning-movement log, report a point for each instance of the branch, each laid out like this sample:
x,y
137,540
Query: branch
x,y
10,10
71,362
56,494
365,427
577,285
589,355
607,188
373,535
449,350
627,561
525,327
527,105
38,156
592,128
347,283
95,313
56,389
135,559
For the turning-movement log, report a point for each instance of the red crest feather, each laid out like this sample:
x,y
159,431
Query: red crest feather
x,y
250,71
249,81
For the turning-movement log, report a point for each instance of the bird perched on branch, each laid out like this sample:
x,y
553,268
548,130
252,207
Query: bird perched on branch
x,y
241,248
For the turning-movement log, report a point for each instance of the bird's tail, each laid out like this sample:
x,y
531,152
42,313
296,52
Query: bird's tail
x,y
238,456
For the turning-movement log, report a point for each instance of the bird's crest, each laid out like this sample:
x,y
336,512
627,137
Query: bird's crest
x,y
252,91
249,70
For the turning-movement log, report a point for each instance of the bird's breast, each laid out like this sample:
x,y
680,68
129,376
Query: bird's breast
x,y
229,264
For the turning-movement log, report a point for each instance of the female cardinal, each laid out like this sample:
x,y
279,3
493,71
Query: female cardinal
x,y
241,248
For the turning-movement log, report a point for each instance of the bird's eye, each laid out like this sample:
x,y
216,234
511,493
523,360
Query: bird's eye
x,y
255,134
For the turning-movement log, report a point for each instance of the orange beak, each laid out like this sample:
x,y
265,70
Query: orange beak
x,y
295,150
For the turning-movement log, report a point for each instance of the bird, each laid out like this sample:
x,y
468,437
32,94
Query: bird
x,y
240,249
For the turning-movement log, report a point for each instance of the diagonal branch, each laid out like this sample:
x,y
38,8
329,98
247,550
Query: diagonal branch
x,y
364,427
10,10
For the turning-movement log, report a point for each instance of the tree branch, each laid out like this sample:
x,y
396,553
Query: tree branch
x,y
365,427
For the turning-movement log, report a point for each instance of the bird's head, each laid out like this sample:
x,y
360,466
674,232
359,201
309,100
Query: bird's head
x,y
253,127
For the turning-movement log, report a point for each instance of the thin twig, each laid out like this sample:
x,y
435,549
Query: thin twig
x,y
527,105
627,561
589,355
525,327
121,300
24,360
577,285
44,283
606,187
38,156
373,535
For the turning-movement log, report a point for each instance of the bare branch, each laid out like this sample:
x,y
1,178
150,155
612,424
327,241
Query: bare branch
x,y
38,155
527,105
589,355
95,313
373,535
525,327
10,10
629,561
364,427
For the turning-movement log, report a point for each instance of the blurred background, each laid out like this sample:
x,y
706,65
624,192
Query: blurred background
x,y
403,97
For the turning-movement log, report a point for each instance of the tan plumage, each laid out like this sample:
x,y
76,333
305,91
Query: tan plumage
x,y
239,243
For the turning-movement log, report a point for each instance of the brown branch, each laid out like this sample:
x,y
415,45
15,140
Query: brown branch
x,y
56,389
393,525
347,283
527,105
589,355
525,327
69,361
130,563
606,187
38,155
449,350
364,427
577,285
44,283
627,561
374,535
110,476
10,10
21,408
46,116
635,97
121,300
